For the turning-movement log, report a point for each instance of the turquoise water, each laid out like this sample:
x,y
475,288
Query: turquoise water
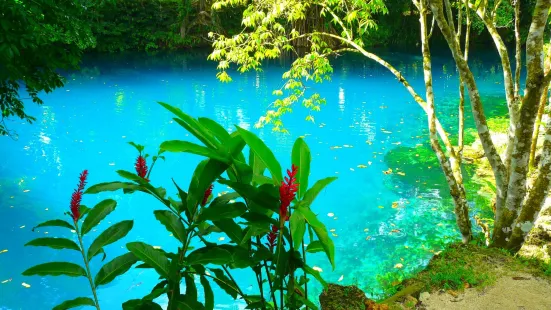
x,y
87,124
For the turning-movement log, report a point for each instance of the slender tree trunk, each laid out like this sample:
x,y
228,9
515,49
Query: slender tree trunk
x,y
451,167
461,114
516,191
518,61
541,109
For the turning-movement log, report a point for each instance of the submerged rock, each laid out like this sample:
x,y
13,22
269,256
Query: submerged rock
x,y
339,297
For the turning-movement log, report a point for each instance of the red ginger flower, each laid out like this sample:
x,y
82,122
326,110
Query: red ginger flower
x,y
287,192
141,167
208,192
272,235
76,198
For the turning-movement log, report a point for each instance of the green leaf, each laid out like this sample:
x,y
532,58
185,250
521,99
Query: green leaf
x,y
298,228
301,158
316,275
193,126
138,147
172,224
314,191
157,291
216,129
183,197
110,187
53,223
56,269
191,288
97,214
140,304
73,303
204,175
188,147
326,243
259,195
257,166
110,235
314,247
205,228
54,243
264,154
184,302
225,283
116,267
150,256
219,211
309,216
209,294
210,255
231,229
83,210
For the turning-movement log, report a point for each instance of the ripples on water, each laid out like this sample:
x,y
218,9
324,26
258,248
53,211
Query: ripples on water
x,y
112,101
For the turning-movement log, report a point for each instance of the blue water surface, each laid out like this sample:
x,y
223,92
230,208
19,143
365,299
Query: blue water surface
x,y
112,101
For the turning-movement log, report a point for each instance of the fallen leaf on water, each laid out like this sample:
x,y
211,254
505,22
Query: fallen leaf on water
x,y
368,237
395,231
397,143
6,281
26,191
335,218
395,205
221,239
330,214
400,173
366,229
318,269
341,278
381,207
22,226
386,131
348,146
332,230
335,147
351,169
368,142
25,285
389,171
157,247
398,266
334,234
111,164
369,163
362,166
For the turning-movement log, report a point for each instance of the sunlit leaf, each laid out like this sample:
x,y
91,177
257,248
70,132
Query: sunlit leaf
x,y
116,267
56,269
98,213
54,243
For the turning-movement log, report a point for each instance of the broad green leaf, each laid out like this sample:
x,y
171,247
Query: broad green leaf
x,y
191,288
110,235
259,195
205,228
83,210
264,154
301,158
184,302
193,126
316,275
326,243
53,223
308,303
150,256
188,147
98,213
172,223
138,147
298,228
110,187
314,191
140,304
210,255
216,129
157,291
55,243
183,197
310,217
116,267
231,229
225,283
204,175
56,269
257,165
219,211
314,247
73,303
209,294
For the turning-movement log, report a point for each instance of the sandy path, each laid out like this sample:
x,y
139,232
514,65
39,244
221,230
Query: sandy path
x,y
525,293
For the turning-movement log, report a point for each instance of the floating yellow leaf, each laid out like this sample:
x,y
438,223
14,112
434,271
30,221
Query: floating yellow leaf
x,y
26,191
6,281
368,237
401,173
389,171
381,207
221,239
366,229
395,205
157,247
335,218
330,214
22,226
25,285
318,269
3,251
334,234
332,230
362,166
398,266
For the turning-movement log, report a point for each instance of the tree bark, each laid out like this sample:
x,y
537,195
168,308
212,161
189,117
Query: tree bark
x,y
516,191
543,101
451,166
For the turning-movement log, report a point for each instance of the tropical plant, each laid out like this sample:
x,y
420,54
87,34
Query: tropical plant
x,y
267,220
84,220
520,194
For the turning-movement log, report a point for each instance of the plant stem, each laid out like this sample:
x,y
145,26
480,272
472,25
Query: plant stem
x,y
88,273
235,283
305,276
260,286
270,283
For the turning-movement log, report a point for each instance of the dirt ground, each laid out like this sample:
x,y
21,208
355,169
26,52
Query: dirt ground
x,y
518,292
